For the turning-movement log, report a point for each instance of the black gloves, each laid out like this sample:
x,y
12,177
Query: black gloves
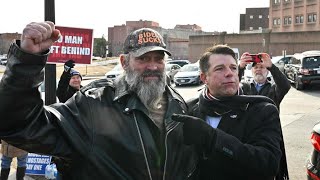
x,y
196,131
68,65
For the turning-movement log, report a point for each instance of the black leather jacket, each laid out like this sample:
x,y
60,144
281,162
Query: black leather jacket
x,y
105,131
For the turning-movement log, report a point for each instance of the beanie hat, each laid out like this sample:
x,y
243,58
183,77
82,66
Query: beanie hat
x,y
74,72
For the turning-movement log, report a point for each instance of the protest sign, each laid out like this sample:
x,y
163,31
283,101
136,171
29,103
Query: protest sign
x,y
36,164
74,43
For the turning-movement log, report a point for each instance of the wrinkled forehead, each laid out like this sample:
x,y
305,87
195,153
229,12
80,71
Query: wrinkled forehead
x,y
218,59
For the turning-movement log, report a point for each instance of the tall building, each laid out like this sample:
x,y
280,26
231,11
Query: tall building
x,y
177,39
294,15
254,19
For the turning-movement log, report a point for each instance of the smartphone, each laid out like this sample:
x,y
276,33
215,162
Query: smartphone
x,y
256,58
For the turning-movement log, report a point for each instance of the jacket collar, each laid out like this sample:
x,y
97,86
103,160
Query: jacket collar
x,y
252,81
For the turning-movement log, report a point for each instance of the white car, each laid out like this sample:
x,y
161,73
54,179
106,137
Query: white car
x,y
114,73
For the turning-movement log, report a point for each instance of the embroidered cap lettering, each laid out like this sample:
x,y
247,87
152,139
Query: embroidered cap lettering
x,y
144,40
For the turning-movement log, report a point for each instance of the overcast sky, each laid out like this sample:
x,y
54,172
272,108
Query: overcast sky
x,y
211,15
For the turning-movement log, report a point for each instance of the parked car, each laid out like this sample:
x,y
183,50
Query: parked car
x,y
281,61
188,74
303,69
115,72
181,63
3,61
313,162
171,70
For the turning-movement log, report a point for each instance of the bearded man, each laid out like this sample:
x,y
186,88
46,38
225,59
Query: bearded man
x,y
122,130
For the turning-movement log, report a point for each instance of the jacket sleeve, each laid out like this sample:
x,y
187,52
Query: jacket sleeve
x,y
260,153
241,72
28,124
63,86
281,81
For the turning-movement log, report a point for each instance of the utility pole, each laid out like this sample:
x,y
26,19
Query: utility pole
x,y
50,69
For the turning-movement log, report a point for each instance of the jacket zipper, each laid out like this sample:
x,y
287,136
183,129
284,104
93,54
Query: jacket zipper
x,y
165,144
144,151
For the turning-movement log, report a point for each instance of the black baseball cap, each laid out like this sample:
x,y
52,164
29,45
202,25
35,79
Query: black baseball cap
x,y
144,40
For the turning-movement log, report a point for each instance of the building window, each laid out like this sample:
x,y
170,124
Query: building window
x,y
260,16
299,19
287,0
285,21
312,18
251,28
289,20
276,1
276,21
251,16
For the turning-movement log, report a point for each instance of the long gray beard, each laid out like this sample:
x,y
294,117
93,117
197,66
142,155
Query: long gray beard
x,y
150,92
260,78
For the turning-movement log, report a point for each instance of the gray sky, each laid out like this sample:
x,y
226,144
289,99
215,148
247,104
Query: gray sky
x,y
211,15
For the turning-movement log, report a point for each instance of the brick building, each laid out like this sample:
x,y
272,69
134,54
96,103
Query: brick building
x,y
5,41
294,15
274,43
177,39
294,27
254,19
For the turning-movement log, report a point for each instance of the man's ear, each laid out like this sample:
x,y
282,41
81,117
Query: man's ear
x,y
203,77
122,61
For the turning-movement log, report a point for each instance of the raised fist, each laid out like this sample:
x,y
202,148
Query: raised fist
x,y
68,65
39,37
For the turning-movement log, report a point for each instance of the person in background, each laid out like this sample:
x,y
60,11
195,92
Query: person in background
x,y
8,153
238,136
122,130
69,83
260,85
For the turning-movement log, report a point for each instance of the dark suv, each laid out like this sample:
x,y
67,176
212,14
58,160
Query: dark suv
x,y
303,68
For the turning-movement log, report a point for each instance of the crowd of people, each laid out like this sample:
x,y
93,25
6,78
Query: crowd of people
x,y
140,127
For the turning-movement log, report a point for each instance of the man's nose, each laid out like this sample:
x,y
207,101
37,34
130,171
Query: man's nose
x,y
152,66
228,72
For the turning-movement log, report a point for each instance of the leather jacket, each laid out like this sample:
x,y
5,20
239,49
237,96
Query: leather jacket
x,y
106,132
